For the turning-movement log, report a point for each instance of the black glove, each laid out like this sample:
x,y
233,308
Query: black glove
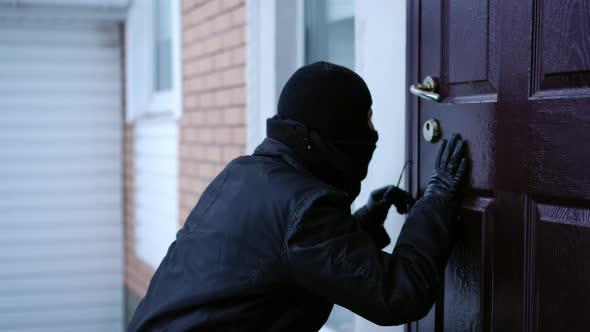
x,y
382,199
372,215
450,168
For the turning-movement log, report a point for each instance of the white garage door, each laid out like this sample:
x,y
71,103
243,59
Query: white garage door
x,y
61,205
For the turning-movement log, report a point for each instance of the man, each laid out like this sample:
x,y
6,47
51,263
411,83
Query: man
x,y
272,245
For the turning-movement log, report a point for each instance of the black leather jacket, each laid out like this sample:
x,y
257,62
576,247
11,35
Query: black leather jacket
x,y
270,247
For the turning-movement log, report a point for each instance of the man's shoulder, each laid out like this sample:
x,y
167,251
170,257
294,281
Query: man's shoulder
x,y
278,171
277,177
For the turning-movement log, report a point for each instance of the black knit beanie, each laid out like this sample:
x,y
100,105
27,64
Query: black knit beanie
x,y
323,115
330,99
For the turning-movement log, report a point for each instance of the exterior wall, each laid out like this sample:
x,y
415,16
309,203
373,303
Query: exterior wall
x,y
212,127
137,272
151,149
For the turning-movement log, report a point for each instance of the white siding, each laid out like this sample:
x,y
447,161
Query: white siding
x,y
61,252
154,115
77,3
156,186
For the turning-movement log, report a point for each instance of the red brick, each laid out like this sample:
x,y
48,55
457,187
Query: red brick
x,y
233,116
227,4
233,37
189,200
213,118
239,16
221,98
192,102
238,96
222,22
188,4
207,64
222,60
207,99
209,9
193,119
222,135
230,153
213,154
190,34
239,135
238,56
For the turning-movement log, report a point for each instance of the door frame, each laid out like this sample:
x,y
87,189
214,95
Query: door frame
x,y
412,104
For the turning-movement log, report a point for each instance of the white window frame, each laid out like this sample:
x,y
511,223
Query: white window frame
x,y
142,98
275,49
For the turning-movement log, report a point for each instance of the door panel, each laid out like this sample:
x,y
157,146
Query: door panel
x,y
561,265
469,61
515,83
467,289
561,45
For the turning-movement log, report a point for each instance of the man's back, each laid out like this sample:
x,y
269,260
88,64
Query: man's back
x,y
225,270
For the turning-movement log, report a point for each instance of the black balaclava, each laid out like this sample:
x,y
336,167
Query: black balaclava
x,y
323,114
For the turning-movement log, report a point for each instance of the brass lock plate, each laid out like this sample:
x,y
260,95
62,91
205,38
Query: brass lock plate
x,y
431,130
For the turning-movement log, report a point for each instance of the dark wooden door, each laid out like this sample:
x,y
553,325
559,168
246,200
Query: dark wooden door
x,y
515,83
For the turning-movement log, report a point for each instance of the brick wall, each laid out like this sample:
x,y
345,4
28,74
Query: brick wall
x,y
212,128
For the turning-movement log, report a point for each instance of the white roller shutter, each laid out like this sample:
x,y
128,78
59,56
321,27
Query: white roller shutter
x,y
61,205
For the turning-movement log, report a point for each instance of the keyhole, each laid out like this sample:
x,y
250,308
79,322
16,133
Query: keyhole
x,y
431,131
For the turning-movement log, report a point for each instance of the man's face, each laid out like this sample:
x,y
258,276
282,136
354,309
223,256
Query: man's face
x,y
370,119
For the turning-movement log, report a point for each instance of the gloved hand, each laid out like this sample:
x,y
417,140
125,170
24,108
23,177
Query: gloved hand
x,y
450,169
372,215
382,199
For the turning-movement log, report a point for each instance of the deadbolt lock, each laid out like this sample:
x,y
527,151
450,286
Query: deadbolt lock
x,y
431,130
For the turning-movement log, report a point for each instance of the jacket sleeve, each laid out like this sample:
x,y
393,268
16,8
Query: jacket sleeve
x,y
328,254
373,227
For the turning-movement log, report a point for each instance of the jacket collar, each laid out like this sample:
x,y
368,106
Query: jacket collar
x,y
275,148
305,150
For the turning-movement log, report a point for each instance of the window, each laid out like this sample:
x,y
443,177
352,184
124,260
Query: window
x,y
329,36
162,45
152,59
329,31
164,88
